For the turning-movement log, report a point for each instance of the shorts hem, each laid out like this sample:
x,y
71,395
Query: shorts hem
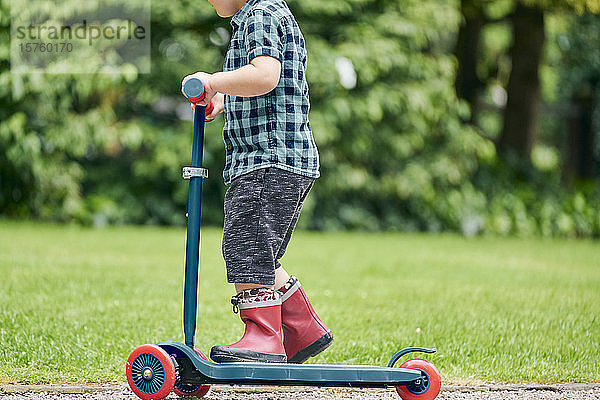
x,y
251,280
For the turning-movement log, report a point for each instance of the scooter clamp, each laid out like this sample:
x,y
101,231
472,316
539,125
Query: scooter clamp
x,y
193,172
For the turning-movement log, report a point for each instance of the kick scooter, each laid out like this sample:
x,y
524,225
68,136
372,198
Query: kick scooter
x,y
153,371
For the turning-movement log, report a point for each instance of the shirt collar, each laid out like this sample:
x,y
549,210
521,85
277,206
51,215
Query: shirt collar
x,y
241,14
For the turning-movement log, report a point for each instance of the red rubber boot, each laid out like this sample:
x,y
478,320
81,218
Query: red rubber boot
x,y
260,310
304,334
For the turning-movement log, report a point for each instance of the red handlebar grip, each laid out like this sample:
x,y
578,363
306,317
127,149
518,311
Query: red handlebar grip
x,y
196,100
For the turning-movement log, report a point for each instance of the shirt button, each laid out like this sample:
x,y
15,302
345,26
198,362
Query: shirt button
x,y
229,147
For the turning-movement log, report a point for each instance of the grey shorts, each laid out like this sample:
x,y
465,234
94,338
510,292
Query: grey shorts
x,y
261,211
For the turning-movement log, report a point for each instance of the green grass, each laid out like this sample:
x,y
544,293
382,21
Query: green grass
x,y
75,301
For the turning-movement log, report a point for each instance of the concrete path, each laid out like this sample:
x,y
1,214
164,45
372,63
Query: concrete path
x,y
219,392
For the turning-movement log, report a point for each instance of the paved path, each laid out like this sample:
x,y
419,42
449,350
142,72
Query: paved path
x,y
489,392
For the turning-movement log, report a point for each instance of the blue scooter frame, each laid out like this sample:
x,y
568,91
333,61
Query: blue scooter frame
x,y
147,378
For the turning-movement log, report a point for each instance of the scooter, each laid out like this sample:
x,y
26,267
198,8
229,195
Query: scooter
x,y
154,370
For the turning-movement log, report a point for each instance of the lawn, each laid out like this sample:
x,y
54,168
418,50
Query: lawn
x,y
75,301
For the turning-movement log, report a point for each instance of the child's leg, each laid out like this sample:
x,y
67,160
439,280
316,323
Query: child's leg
x,y
259,208
281,277
239,287
304,334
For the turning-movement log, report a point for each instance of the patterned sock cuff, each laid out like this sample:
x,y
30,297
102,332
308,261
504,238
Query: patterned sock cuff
x,y
289,288
255,298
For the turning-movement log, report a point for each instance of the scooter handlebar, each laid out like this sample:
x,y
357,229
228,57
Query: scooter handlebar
x,y
193,89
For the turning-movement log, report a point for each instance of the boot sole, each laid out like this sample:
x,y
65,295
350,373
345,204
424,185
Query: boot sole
x,y
224,354
312,349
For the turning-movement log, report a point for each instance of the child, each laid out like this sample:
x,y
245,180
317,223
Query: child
x,y
271,164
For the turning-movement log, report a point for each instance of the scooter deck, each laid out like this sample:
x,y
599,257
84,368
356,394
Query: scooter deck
x,y
283,373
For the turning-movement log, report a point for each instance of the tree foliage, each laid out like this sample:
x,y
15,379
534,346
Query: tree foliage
x,y
580,6
104,148
396,152
394,144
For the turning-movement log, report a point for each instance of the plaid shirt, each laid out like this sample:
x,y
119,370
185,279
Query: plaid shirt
x,y
270,130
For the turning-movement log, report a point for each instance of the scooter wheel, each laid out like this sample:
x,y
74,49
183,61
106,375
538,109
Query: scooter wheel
x,y
426,388
150,372
183,390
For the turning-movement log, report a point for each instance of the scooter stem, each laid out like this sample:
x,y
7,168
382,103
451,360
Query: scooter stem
x,y
192,248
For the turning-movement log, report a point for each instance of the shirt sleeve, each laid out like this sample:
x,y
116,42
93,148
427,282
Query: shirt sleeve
x,y
261,36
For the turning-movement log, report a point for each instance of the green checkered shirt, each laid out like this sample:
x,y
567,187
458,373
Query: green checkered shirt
x,y
270,130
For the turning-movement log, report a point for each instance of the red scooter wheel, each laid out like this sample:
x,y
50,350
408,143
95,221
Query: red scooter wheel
x,y
426,388
150,372
183,390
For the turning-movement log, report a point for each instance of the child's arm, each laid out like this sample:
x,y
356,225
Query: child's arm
x,y
257,78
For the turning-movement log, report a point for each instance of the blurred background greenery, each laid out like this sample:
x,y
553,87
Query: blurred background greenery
x,y
470,116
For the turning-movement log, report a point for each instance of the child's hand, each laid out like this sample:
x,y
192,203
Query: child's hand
x,y
209,93
218,102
